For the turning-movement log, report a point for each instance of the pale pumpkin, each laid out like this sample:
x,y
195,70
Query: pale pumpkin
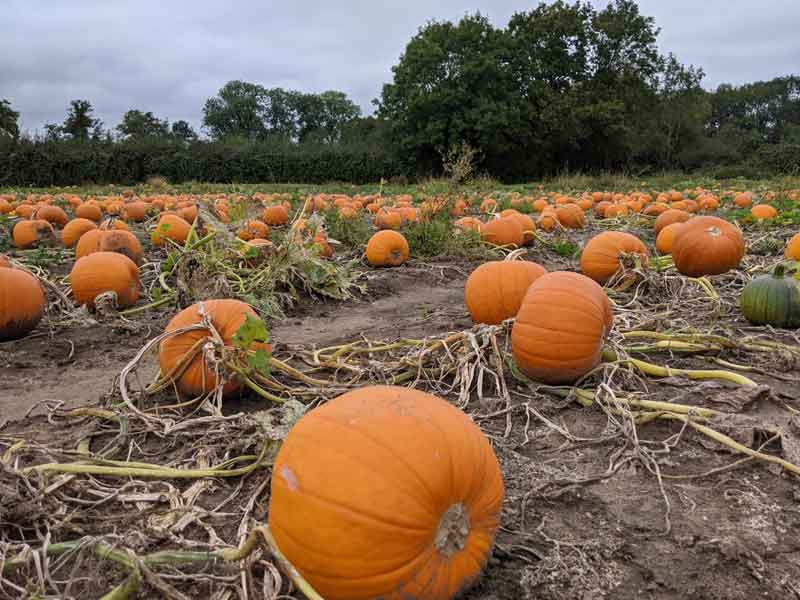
x,y
386,492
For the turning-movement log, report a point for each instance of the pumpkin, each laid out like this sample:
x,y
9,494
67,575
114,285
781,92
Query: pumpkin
x,y
88,243
763,211
387,248
656,209
254,230
469,223
25,211
602,254
772,300
136,211
670,216
73,231
388,219
793,248
112,223
275,215
5,207
707,246
489,205
548,219
189,213
600,208
503,232
170,227
528,227
102,272
494,291
21,303
31,234
560,327
386,492
666,237
743,200
570,215
52,214
321,245
4,262
91,212
227,316
123,242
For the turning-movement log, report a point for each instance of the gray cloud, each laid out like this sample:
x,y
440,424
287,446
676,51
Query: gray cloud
x,y
168,56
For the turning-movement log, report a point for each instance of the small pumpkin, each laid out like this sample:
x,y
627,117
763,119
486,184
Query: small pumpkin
x,y
52,214
136,211
397,492
387,248
602,254
91,212
560,327
102,272
123,242
503,232
254,230
388,219
772,300
170,227
793,248
666,237
670,216
73,231
494,291
227,316
275,215
32,234
707,246
21,303
469,223
570,215
763,212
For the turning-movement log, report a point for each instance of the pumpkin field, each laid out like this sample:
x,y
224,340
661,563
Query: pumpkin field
x,y
581,389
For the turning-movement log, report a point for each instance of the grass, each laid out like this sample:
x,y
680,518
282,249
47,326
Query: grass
x,y
352,232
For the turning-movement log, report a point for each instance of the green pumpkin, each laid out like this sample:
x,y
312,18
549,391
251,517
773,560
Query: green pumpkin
x,y
772,300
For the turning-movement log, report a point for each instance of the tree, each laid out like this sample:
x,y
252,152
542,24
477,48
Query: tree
x,y
139,125
9,126
238,110
182,130
80,124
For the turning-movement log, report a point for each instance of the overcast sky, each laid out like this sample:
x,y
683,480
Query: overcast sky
x,y
168,56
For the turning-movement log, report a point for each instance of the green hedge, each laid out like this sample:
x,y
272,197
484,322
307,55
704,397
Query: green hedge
x,y
60,163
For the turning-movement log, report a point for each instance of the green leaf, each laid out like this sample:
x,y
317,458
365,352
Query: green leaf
x,y
252,330
259,361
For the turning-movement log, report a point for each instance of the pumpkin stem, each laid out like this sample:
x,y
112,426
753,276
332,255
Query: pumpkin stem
x,y
451,535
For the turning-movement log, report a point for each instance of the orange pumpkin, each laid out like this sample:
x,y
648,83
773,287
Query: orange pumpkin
x,y
469,223
170,227
793,248
656,209
558,335
112,223
52,214
73,231
489,205
570,215
21,303
528,227
707,246
91,212
254,230
136,211
88,243
397,492
31,234
743,200
387,249
601,256
227,316
666,237
670,216
388,219
102,272
123,242
4,262
275,215
189,213
763,211
494,291
321,245
503,232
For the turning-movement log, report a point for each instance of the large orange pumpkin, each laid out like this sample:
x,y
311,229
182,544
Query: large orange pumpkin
x,y
227,316
528,227
707,246
170,227
601,256
560,327
494,291
31,234
387,248
73,231
670,216
503,232
21,303
102,272
52,214
386,492
793,248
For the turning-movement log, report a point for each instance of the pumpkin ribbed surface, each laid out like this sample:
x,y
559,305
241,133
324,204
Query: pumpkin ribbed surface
x,y
30,234
707,246
560,327
601,256
21,303
673,215
227,316
102,272
494,291
505,231
386,492
73,231
772,300
387,248
170,227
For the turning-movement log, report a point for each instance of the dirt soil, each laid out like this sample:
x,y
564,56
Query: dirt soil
x,y
570,530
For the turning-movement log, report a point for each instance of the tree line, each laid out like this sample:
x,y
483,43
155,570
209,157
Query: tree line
x,y
563,86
